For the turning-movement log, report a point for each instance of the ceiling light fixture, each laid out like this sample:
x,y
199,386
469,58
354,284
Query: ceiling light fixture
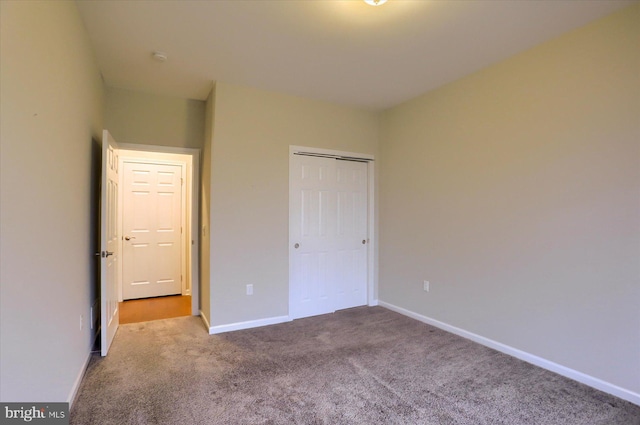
x,y
160,56
375,2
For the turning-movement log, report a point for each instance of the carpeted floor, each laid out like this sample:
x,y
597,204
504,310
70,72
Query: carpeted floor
x,y
366,365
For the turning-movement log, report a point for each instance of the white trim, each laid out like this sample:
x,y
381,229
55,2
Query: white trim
x,y
591,381
194,224
76,384
248,324
372,239
373,303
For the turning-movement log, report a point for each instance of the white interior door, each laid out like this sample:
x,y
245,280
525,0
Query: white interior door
x,y
152,228
109,255
328,235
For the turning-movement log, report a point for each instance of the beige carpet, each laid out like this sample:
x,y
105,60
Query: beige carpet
x,y
359,366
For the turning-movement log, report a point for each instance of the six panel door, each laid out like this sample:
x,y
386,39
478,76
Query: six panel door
x,y
152,246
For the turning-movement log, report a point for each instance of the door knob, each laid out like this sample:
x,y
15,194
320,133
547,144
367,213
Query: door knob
x,y
128,238
296,246
364,241
105,254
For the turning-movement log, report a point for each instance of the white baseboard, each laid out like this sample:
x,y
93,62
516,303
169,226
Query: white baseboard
x,y
591,381
248,324
373,303
76,384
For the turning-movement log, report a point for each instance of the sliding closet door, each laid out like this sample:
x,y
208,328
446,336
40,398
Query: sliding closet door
x,y
328,235
351,234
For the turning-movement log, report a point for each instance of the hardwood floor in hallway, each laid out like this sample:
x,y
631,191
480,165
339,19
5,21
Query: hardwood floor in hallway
x,y
146,309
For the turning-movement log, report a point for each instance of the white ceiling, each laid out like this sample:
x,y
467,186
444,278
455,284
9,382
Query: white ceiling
x,y
342,51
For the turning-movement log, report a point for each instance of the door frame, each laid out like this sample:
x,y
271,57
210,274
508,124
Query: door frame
x,y
191,240
372,251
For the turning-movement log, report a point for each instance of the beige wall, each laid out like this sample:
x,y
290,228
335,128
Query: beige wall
x,y
141,118
250,190
51,108
516,192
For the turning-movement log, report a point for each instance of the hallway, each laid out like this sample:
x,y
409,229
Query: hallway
x,y
147,309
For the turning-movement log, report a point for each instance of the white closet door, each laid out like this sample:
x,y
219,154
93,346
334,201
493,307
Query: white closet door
x,y
328,224
351,234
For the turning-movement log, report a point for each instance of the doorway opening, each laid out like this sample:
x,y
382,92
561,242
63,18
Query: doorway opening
x,y
158,228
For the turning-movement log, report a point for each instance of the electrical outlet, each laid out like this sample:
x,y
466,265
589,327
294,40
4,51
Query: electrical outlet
x,y
425,286
249,289
81,321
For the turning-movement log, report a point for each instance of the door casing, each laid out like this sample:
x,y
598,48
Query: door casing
x,y
190,159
